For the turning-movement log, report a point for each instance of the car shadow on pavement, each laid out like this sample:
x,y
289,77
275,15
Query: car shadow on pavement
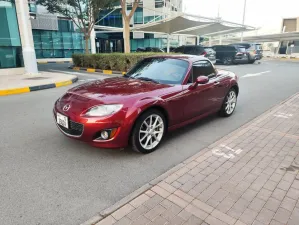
x,y
183,136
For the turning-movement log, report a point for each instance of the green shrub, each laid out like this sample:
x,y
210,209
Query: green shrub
x,y
110,61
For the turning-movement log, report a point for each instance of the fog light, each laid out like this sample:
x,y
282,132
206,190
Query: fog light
x,y
104,135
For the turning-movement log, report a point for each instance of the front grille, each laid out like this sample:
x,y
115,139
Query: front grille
x,y
75,129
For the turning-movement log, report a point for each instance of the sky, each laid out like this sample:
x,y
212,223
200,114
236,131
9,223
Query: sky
x,y
265,14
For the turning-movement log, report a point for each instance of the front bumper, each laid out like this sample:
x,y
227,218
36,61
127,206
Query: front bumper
x,y
88,130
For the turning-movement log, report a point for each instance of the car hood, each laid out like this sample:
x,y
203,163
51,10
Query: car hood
x,y
118,90
114,89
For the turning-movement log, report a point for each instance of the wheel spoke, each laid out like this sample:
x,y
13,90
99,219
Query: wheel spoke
x,y
148,139
154,136
227,106
158,132
142,139
158,125
146,124
157,118
151,121
143,132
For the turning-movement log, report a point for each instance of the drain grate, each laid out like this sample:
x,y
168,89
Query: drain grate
x,y
36,78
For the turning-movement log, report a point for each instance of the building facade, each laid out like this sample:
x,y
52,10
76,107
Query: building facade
x,y
289,25
10,42
29,32
149,11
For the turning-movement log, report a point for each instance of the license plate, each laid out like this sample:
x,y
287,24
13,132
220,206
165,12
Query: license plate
x,y
62,120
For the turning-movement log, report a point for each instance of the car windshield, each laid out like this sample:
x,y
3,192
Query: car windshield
x,y
160,70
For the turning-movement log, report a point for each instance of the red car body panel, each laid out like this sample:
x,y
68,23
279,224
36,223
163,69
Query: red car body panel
x,y
180,103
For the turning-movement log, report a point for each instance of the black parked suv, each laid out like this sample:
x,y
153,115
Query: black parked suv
x,y
197,50
229,54
252,48
149,49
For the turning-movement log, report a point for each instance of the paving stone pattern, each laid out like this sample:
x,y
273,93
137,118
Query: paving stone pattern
x,y
249,177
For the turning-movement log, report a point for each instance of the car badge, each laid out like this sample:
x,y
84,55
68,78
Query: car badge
x,y
66,107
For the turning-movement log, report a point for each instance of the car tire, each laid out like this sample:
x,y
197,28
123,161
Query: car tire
x,y
143,135
227,60
251,61
229,104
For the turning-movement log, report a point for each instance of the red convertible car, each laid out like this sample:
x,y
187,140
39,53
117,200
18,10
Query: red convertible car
x,y
157,95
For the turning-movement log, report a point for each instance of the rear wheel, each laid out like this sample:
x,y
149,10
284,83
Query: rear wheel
x,y
229,104
227,60
148,131
251,61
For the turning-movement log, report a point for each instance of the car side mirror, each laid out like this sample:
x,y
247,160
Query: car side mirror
x,y
202,80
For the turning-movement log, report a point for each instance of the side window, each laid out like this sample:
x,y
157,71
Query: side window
x,y
189,50
179,50
202,68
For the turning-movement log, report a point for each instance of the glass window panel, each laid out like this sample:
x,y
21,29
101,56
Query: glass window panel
x,y
67,40
46,39
77,40
48,53
134,45
68,53
9,35
39,53
11,57
78,51
57,40
58,54
37,39
146,42
152,42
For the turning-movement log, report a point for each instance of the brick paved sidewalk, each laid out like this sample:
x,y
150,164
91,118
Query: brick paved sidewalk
x,y
248,177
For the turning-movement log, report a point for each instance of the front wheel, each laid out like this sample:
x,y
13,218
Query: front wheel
x,y
148,131
229,104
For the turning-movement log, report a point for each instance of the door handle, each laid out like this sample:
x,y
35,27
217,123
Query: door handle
x,y
216,83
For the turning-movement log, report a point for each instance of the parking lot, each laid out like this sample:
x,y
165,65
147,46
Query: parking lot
x,y
47,178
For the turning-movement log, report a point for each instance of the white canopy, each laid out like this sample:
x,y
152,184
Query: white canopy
x,y
186,24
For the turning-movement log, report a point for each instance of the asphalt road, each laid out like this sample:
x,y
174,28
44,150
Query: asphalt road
x,y
47,178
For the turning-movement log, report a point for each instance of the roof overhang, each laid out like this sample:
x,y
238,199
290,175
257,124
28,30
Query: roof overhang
x,y
288,36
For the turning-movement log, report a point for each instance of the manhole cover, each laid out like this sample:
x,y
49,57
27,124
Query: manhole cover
x,y
36,78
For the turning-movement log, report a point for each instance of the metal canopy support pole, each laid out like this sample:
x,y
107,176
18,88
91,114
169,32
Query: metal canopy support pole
x,y
288,42
26,37
244,11
220,40
93,41
210,41
168,43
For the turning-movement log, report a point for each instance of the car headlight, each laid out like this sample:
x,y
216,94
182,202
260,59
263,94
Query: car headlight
x,y
103,110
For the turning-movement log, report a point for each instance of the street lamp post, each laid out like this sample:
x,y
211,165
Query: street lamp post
x,y
244,12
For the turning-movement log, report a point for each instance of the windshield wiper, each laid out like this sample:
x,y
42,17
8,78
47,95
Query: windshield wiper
x,y
147,79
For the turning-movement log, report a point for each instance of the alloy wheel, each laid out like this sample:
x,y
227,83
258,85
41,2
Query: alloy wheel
x,y
151,131
231,102
227,60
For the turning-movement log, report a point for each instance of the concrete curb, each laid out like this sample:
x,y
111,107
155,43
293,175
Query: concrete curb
x,y
92,70
15,91
108,211
46,62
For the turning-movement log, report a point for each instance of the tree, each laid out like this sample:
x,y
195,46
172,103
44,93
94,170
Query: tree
x,y
83,13
126,22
